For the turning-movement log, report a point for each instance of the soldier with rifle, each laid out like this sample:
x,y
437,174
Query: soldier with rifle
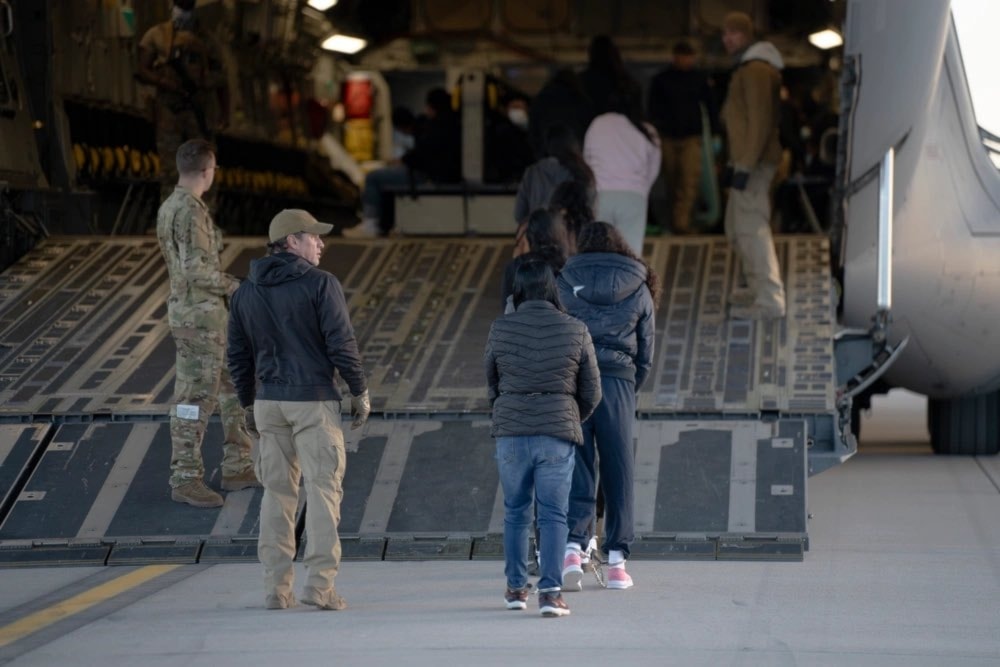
x,y
191,92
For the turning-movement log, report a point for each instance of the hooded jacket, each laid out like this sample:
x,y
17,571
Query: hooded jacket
x,y
752,109
289,330
622,157
608,292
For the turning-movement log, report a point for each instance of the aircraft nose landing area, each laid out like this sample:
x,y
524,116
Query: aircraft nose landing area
x,y
86,376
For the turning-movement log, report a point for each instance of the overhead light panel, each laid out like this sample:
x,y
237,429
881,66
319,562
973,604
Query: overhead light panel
x,y
322,5
826,39
344,43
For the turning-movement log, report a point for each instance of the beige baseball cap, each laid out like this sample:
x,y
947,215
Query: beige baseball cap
x,y
293,221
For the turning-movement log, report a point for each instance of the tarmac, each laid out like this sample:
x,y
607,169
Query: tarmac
x,y
903,568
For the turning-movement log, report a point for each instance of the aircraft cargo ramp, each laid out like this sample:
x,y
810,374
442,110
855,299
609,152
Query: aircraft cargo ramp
x,y
735,416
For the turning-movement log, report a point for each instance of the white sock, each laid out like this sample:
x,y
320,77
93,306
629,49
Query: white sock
x,y
616,558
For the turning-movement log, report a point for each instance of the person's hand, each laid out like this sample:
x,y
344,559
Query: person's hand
x,y
361,407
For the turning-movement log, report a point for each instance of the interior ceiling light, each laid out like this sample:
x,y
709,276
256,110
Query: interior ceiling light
x,y
322,5
344,43
826,39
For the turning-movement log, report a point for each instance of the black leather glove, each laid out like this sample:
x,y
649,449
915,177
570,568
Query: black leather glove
x,y
740,179
726,179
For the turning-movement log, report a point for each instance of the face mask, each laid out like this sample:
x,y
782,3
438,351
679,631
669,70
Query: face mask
x,y
519,117
183,19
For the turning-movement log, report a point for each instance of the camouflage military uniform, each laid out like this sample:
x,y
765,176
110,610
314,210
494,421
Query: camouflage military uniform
x,y
197,313
177,113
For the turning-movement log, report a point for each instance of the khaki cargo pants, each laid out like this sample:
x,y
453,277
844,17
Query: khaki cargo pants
x,y
299,439
682,174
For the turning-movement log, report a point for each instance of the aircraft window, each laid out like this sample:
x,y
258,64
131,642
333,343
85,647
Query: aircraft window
x,y
975,23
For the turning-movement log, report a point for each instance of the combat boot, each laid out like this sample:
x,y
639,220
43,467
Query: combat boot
x,y
244,480
195,493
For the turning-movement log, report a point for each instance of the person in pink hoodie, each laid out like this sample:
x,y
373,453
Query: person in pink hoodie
x,y
624,153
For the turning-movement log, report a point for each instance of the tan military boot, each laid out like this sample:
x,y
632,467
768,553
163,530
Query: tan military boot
x,y
243,480
195,493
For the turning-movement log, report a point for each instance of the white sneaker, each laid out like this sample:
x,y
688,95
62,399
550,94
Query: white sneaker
x,y
366,229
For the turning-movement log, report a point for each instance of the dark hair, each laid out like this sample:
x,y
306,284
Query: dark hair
x,y
603,55
625,101
572,200
603,237
439,100
535,281
281,245
547,238
403,118
194,155
562,144
683,48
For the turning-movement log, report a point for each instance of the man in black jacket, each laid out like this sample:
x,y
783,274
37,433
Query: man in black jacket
x,y
289,331
677,96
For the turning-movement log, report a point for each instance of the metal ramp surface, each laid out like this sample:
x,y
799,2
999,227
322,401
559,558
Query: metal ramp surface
x,y
728,424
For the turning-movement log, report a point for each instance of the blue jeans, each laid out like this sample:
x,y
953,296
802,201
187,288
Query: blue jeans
x,y
543,465
607,437
375,183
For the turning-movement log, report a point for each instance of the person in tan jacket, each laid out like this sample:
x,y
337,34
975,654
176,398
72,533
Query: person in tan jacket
x,y
750,115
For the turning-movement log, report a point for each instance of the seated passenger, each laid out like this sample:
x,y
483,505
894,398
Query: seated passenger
x,y
436,156
507,149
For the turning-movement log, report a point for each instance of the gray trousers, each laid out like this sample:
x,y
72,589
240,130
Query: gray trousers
x,y
626,211
748,228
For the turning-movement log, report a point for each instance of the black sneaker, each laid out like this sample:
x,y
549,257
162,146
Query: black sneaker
x,y
552,604
517,598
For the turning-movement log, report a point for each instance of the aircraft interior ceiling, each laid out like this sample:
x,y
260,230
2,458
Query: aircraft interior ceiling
x,y
560,29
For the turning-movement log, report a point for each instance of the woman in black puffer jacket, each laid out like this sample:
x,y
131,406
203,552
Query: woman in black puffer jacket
x,y
610,289
543,381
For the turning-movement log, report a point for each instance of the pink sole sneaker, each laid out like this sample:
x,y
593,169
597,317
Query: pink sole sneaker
x,y
619,579
572,572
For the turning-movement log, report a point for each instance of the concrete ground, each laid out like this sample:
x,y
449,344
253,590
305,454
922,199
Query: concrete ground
x,y
903,569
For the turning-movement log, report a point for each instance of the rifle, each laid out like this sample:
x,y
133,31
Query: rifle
x,y
187,83
190,89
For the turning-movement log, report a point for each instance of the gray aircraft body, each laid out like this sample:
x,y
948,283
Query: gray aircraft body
x,y
905,88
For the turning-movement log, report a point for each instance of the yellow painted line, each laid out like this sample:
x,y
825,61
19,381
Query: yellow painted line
x,y
74,605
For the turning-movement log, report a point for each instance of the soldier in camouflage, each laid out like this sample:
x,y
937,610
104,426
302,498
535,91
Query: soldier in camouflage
x,y
180,61
197,313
